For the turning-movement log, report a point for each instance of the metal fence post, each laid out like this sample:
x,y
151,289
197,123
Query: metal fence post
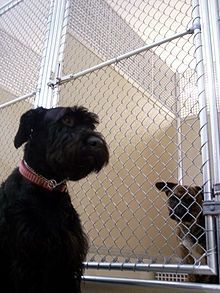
x,y
211,41
206,170
215,32
50,65
211,88
215,39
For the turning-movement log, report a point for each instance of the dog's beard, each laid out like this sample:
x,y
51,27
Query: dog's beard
x,y
86,161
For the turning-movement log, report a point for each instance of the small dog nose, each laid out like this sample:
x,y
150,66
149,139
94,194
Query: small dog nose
x,y
94,141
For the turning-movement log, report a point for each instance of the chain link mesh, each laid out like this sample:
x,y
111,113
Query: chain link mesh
x,y
23,26
148,108
22,33
121,210
9,117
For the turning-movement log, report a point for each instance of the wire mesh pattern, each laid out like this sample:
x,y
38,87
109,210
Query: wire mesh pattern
x,y
9,117
22,33
148,108
111,28
121,211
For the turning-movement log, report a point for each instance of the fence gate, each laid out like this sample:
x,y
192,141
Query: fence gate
x,y
140,66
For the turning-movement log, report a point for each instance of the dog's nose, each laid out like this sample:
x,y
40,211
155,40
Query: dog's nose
x,y
94,141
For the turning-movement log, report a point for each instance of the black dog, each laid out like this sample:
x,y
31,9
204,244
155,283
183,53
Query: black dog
x,y
42,243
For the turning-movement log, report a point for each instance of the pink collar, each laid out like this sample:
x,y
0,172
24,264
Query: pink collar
x,y
32,176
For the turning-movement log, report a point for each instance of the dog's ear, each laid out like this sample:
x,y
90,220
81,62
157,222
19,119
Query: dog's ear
x,y
198,188
199,192
165,186
28,123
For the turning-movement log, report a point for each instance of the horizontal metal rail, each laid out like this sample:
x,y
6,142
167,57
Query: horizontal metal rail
x,y
151,283
9,5
171,268
19,99
72,76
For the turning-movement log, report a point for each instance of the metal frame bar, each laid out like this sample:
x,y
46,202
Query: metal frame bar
x,y
211,90
16,100
61,52
203,119
215,38
149,283
73,76
179,138
49,66
9,5
140,267
215,31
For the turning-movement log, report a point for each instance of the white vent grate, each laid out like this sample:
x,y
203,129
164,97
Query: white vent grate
x,y
173,277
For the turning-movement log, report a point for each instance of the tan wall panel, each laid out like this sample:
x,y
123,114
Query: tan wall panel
x,y
9,121
191,152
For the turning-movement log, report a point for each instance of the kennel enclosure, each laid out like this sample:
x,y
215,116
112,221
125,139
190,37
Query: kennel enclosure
x,y
150,70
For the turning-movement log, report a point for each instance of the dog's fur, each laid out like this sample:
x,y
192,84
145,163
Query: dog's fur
x,y
42,243
185,207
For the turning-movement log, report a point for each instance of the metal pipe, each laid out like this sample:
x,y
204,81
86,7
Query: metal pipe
x,y
154,284
215,33
172,268
19,99
215,38
8,6
203,119
179,135
58,72
51,52
73,76
41,88
204,8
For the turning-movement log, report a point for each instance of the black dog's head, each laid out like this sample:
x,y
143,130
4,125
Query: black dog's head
x,y
62,142
184,202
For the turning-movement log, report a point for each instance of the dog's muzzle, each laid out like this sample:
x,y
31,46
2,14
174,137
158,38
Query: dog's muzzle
x,y
97,152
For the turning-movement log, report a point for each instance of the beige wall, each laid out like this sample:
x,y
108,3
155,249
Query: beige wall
x,y
191,153
9,121
5,96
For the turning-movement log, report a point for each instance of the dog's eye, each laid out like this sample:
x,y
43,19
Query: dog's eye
x,y
68,121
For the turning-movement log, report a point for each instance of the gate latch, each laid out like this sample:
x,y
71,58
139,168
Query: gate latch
x,y
211,207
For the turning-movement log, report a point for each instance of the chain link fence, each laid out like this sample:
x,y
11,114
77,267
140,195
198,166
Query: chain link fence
x,y
149,114
148,108
23,27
